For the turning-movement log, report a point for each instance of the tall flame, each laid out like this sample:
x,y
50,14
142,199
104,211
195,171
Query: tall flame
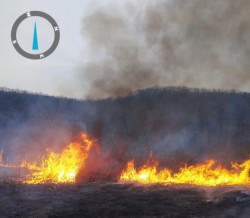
x,y
63,167
1,156
204,174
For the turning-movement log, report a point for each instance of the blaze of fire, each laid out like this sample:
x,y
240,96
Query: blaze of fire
x,y
63,167
204,174
1,156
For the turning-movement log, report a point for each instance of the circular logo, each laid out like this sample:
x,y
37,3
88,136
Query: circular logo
x,y
35,40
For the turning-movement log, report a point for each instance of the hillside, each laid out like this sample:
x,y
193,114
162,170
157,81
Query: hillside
x,y
178,125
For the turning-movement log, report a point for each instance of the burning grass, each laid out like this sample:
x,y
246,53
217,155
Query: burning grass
x,y
204,174
63,167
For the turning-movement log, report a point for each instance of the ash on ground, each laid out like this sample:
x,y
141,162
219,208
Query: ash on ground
x,y
122,200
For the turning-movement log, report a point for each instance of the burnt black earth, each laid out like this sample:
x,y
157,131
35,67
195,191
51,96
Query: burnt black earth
x,y
122,200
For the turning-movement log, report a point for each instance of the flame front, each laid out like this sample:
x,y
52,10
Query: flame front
x,y
204,174
63,167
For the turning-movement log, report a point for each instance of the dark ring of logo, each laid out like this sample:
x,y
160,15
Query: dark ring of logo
x,y
21,19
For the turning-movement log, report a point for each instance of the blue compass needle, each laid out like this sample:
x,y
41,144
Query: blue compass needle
x,y
35,40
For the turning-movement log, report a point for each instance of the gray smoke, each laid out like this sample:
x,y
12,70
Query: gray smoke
x,y
139,44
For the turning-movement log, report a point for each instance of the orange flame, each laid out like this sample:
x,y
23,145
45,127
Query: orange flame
x,y
60,168
204,174
1,156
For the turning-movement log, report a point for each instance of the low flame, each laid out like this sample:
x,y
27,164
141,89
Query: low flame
x,y
63,167
205,174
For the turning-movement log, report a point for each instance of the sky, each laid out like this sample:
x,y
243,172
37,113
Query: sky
x,y
112,48
45,76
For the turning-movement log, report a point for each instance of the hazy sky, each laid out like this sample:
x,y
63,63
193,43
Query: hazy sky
x,y
111,48
17,72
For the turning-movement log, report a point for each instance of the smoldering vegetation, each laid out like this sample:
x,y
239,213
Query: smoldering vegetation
x,y
121,200
178,125
133,45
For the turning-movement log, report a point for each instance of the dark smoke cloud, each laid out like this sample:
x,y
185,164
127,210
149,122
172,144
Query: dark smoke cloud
x,y
137,44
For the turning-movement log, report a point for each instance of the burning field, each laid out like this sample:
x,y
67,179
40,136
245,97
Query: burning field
x,y
101,159
161,126
50,188
64,168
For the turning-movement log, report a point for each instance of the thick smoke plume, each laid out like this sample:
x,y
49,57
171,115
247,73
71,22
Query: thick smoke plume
x,y
139,44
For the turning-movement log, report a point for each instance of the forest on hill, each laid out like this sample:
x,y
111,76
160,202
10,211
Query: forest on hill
x,y
178,125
